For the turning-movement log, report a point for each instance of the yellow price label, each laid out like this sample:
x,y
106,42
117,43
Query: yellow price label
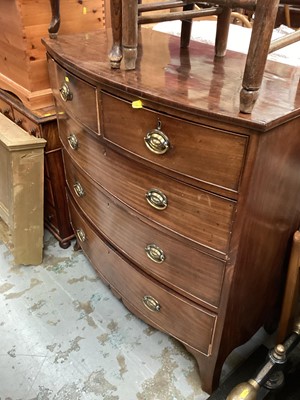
x,y
137,104
84,10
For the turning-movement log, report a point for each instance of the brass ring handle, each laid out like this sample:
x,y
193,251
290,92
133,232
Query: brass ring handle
x,y
157,142
19,121
78,189
81,235
157,199
73,141
65,92
155,253
151,303
33,131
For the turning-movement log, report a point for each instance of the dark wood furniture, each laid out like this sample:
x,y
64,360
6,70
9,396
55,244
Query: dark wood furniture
x,y
43,124
127,14
183,205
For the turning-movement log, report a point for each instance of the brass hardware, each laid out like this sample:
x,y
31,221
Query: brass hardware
x,y
157,141
19,121
73,141
80,234
155,253
78,189
157,199
65,92
151,303
33,131
6,111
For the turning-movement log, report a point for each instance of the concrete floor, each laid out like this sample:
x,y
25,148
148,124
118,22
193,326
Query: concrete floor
x,y
64,336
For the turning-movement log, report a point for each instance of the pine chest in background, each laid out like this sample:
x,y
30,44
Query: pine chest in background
x,y
23,67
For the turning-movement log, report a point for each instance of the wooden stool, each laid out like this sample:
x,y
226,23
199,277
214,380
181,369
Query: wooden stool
x,y
127,14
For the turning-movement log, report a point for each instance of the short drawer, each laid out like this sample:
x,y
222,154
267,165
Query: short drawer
x,y
192,213
157,305
75,97
27,124
209,155
194,273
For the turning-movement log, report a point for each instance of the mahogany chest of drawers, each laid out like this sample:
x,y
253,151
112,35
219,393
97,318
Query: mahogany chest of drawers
x,y
184,206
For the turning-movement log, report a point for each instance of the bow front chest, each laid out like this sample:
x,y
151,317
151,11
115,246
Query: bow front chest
x,y
184,206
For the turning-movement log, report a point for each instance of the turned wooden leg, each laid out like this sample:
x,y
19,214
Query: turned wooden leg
x,y
223,24
115,55
265,15
186,28
130,32
55,21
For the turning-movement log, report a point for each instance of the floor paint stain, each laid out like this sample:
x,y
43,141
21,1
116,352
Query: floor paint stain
x,y
53,323
85,309
100,386
149,331
103,338
122,363
51,347
113,326
82,279
6,287
37,306
62,356
12,352
33,283
68,392
43,394
161,386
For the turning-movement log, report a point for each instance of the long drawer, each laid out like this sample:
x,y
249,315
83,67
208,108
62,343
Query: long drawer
x,y
206,154
157,305
192,213
185,269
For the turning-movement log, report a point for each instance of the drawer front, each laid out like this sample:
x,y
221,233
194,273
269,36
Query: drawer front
x,y
192,272
76,97
190,212
205,154
27,124
6,109
156,304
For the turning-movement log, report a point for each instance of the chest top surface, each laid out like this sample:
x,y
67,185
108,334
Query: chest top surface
x,y
191,80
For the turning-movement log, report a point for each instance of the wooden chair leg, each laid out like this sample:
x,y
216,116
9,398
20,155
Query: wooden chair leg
x,y
223,24
130,32
115,55
287,15
55,21
186,28
265,15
